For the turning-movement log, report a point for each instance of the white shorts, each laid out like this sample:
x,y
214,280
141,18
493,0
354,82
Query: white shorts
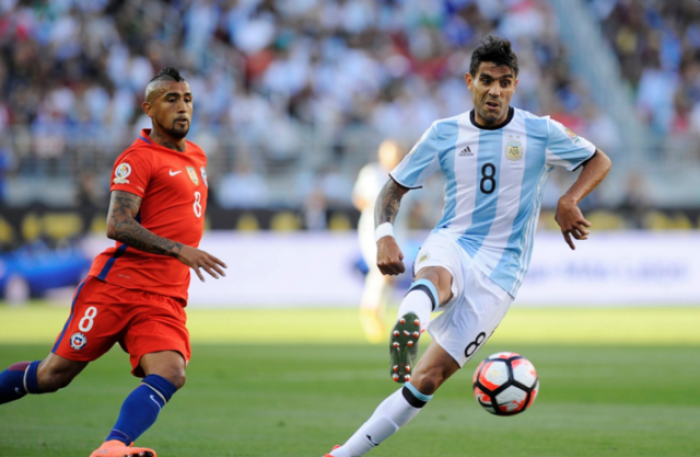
x,y
478,304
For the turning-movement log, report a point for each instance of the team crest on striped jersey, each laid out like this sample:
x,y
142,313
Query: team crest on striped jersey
x,y
572,135
193,175
514,150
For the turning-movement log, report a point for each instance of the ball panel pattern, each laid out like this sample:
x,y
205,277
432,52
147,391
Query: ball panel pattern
x,y
505,384
494,375
524,372
513,399
533,394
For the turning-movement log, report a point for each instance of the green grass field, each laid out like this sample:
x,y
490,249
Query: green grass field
x,y
614,382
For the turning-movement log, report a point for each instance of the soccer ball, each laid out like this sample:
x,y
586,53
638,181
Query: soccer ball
x,y
505,384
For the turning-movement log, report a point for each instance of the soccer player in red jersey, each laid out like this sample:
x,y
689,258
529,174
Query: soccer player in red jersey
x,y
136,291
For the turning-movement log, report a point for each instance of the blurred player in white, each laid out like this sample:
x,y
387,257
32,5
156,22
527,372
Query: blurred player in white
x,y
495,160
378,287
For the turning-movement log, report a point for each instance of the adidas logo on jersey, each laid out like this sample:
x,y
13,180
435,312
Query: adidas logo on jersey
x,y
466,152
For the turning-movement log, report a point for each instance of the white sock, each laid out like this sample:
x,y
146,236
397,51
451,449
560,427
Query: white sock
x,y
417,301
392,414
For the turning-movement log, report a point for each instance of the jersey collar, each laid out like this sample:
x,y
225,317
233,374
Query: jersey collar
x,y
145,137
511,113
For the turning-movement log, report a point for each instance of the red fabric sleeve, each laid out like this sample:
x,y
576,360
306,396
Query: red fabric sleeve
x,y
132,172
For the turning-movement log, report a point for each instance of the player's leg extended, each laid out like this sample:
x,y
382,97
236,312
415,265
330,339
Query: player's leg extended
x,y
432,288
433,369
165,374
38,377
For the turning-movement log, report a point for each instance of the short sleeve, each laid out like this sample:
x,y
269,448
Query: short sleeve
x,y
420,163
132,172
565,148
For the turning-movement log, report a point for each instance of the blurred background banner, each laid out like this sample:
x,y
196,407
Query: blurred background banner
x,y
292,98
312,269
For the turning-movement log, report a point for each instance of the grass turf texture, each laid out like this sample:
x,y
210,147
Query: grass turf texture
x,y
615,382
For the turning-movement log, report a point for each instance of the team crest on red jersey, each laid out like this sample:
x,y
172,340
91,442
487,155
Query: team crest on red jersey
x,y
78,341
204,176
193,175
121,173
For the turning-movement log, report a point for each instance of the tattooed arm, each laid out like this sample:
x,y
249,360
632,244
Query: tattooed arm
x,y
123,227
389,255
388,201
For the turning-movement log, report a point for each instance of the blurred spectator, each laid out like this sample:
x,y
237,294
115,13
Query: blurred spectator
x,y
5,166
243,188
90,193
315,217
635,201
336,187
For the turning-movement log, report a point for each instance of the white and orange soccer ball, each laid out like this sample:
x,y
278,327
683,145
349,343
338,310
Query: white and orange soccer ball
x,y
505,384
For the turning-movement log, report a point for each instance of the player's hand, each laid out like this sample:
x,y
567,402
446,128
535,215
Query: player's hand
x,y
571,221
196,259
389,256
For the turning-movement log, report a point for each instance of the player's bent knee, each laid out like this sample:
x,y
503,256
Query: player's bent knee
x,y
441,279
177,377
428,381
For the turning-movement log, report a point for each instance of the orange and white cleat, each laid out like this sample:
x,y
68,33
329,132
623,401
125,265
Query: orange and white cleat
x,y
115,448
334,448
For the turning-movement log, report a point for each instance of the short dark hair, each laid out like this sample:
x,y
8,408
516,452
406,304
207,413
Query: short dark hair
x,y
494,49
168,74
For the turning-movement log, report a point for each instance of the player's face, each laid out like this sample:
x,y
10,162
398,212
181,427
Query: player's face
x,y
492,89
171,108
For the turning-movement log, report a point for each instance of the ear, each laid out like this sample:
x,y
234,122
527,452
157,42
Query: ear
x,y
470,81
515,83
147,107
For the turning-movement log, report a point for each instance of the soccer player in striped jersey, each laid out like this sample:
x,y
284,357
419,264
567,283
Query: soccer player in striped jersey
x,y
136,292
495,159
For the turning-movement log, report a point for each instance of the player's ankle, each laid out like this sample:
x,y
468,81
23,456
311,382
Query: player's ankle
x,y
118,436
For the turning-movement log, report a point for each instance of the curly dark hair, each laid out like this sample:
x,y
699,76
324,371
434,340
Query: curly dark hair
x,y
168,74
494,49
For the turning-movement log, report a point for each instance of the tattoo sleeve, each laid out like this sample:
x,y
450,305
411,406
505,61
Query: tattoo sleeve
x,y
388,202
121,226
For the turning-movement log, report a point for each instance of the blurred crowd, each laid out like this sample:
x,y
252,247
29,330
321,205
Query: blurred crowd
x,y
658,45
298,92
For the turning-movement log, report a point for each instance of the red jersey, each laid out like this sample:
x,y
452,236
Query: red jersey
x,y
173,187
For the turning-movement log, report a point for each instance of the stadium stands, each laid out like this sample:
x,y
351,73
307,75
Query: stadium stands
x,y
331,79
658,45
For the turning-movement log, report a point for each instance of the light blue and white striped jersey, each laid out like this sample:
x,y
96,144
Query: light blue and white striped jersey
x,y
494,179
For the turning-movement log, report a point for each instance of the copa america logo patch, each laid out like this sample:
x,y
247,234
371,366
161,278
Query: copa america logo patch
x,y
121,173
78,341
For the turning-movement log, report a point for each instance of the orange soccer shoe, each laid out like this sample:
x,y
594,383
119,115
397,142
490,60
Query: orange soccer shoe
x,y
115,448
334,448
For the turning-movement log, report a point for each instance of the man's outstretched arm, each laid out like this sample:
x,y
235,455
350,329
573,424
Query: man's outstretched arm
x,y
389,256
568,215
123,227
